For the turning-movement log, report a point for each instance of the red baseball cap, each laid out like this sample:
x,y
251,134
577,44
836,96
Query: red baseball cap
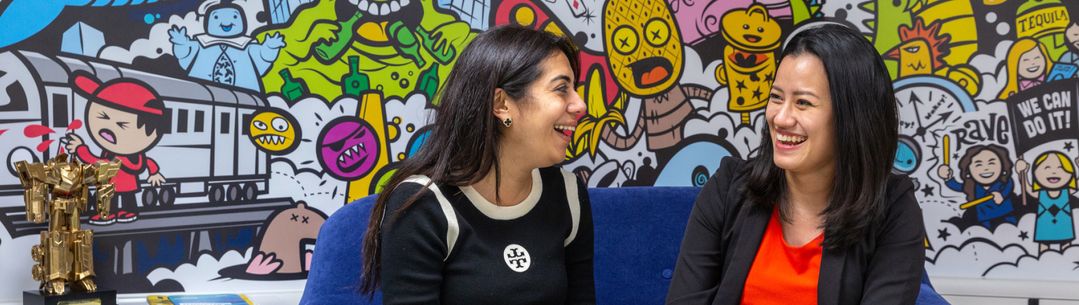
x,y
122,93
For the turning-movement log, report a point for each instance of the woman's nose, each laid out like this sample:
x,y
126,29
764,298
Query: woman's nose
x,y
784,116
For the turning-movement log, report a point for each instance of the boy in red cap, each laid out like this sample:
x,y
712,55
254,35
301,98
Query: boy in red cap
x,y
123,117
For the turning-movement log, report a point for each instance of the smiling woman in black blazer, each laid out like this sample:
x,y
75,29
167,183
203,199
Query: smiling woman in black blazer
x,y
816,217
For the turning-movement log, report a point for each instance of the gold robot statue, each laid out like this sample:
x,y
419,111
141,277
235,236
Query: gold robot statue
x,y
60,188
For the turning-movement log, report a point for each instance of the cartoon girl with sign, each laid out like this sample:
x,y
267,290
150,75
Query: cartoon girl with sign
x,y
986,182
1054,186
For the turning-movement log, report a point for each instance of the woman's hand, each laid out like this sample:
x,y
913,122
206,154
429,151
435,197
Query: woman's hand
x,y
1021,166
944,172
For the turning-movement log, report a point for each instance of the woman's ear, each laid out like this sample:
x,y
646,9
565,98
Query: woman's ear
x,y
501,108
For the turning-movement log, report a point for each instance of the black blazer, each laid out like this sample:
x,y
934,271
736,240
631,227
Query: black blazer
x,y
723,235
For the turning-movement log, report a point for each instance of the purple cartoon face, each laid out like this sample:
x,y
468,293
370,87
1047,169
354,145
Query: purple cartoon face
x,y
348,148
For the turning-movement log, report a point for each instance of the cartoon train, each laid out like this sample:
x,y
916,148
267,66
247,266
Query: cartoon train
x,y
203,151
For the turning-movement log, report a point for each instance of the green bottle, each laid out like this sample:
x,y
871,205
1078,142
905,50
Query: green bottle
x,y
405,42
354,83
428,82
293,89
328,51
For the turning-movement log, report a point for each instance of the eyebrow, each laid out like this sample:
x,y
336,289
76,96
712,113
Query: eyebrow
x,y
562,77
797,92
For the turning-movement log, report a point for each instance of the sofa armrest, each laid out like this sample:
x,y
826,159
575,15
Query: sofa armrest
x,y
928,295
336,266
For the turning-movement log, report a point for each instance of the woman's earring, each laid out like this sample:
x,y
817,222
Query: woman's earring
x,y
507,122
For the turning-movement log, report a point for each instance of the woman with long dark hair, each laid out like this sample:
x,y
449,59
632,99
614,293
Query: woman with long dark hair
x,y
816,217
985,172
482,214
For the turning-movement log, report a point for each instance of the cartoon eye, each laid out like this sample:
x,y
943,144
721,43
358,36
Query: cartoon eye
x,y
336,146
657,32
260,125
745,26
913,49
760,29
280,124
625,40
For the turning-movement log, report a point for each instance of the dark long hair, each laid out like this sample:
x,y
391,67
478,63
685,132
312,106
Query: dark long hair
x,y
866,133
964,166
1073,10
463,146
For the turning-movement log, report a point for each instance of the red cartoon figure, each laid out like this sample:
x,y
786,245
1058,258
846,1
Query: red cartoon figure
x,y
123,117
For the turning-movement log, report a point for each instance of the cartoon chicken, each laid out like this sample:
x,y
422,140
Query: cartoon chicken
x,y
922,53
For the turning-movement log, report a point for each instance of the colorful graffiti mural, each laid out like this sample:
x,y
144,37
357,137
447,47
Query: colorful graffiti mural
x,y
275,113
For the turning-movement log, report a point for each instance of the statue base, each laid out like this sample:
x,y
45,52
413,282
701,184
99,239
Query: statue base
x,y
100,297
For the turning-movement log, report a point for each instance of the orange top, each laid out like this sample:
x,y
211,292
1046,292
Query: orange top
x,y
782,274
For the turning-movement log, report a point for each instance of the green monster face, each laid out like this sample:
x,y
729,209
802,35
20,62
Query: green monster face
x,y
410,50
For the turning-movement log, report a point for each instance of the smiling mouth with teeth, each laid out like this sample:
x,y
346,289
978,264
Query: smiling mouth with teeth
x,y
790,139
376,8
352,158
270,139
565,130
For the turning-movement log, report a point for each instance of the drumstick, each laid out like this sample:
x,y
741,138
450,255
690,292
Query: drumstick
x,y
947,150
1022,185
975,202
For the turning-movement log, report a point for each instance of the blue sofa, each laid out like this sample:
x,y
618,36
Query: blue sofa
x,y
637,234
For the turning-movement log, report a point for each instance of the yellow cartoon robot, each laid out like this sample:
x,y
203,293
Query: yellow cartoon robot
x,y
749,59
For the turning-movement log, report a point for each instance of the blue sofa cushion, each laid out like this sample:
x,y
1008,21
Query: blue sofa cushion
x,y
638,231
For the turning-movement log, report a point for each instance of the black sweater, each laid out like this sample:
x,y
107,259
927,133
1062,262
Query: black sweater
x,y
454,247
724,232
